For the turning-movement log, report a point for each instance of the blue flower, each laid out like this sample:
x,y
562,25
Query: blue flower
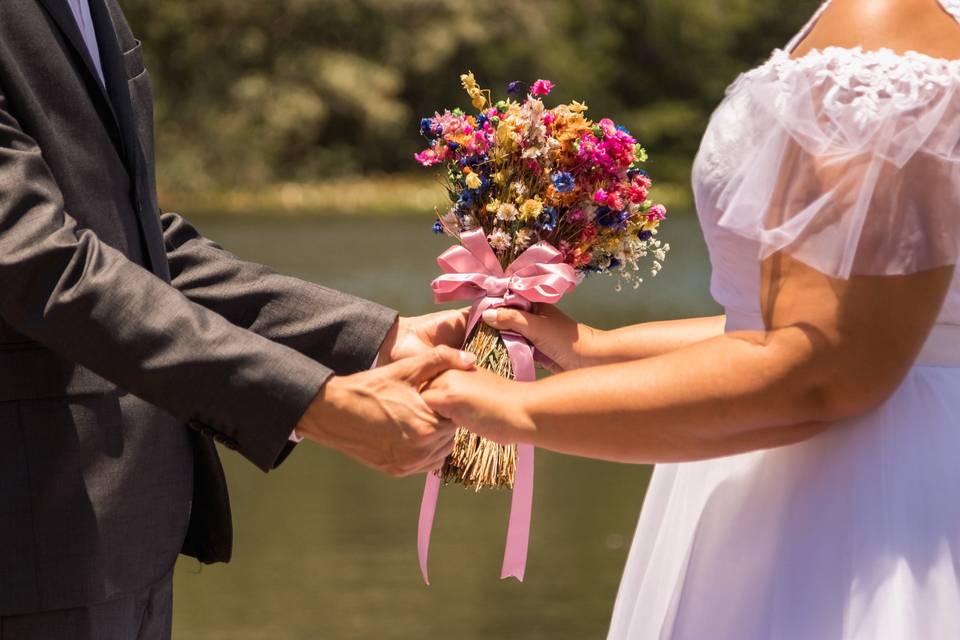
x,y
614,263
453,146
438,227
635,171
645,235
430,129
515,87
607,217
562,181
547,221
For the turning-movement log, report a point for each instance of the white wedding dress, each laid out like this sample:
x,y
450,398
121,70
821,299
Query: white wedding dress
x,y
848,160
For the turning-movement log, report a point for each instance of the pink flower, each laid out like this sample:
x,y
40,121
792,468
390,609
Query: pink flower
x,y
638,193
541,88
641,180
427,157
548,118
614,201
600,197
608,127
657,212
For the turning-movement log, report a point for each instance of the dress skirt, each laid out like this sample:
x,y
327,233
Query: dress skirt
x,y
851,535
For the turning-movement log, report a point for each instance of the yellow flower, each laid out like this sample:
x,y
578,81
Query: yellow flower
x,y
473,181
473,90
531,208
578,107
498,177
493,205
505,134
469,82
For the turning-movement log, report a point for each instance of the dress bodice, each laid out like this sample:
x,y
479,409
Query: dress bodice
x,y
848,159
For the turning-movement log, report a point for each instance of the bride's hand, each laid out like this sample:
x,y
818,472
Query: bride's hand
x,y
566,342
482,402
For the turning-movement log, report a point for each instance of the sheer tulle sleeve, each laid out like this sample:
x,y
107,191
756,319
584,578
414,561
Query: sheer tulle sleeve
x,y
856,165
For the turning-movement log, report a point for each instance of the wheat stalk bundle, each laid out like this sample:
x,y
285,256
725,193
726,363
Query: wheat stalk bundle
x,y
478,463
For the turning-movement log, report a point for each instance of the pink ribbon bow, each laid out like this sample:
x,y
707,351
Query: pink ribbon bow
x,y
471,271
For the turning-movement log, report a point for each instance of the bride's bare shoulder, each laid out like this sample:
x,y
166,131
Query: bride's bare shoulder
x,y
901,25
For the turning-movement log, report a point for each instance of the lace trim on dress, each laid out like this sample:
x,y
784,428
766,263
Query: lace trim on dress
x,y
860,80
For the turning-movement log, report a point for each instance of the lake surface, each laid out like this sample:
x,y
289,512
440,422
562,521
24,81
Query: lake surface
x,y
326,549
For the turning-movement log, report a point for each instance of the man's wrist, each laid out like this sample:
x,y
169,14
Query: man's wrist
x,y
321,411
385,354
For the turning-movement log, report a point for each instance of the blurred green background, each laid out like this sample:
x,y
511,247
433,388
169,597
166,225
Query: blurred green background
x,y
285,131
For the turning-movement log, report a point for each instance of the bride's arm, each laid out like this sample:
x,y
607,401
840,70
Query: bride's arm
x,y
573,345
834,349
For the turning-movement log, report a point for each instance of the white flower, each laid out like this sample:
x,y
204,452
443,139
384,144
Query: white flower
x,y
523,238
519,190
500,240
506,212
450,220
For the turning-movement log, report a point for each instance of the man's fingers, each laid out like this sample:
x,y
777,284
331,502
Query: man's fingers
x,y
435,460
428,365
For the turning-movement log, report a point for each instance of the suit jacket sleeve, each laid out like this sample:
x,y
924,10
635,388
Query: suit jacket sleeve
x,y
340,331
63,287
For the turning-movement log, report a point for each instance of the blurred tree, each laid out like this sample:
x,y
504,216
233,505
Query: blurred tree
x,y
254,93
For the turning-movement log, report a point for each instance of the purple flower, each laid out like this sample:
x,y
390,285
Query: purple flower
x,y
438,227
607,217
515,87
562,181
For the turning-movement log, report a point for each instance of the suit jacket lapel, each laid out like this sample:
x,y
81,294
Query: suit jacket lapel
x,y
62,16
118,91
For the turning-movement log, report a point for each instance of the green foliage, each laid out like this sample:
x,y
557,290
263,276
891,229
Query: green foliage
x,y
252,93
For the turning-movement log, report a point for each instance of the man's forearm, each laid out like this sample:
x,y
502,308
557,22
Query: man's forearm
x,y
341,331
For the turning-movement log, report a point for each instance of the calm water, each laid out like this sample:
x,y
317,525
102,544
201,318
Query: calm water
x,y
326,549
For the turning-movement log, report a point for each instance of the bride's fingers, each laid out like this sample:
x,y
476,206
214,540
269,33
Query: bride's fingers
x,y
515,320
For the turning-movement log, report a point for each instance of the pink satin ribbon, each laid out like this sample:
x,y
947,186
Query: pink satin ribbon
x,y
471,271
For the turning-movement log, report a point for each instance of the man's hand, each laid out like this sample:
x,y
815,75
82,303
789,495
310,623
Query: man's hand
x,y
414,336
378,418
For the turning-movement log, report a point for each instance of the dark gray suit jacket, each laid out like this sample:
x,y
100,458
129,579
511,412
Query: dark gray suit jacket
x,y
119,326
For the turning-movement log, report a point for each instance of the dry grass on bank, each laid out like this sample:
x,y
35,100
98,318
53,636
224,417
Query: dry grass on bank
x,y
368,195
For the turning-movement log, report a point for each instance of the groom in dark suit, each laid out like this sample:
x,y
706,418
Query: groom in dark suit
x,y
121,327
